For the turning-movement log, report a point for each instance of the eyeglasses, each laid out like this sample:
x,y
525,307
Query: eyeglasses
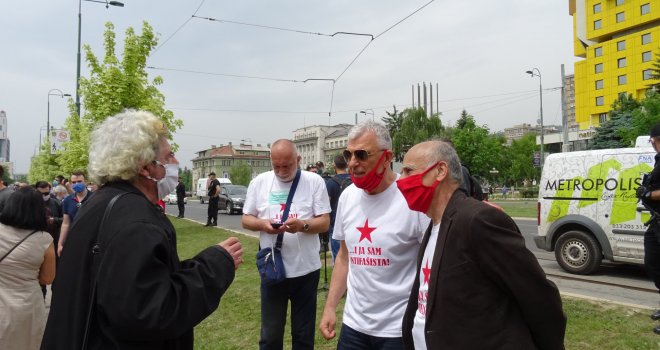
x,y
359,154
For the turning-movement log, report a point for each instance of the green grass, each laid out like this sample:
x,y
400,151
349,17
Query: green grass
x,y
518,208
235,325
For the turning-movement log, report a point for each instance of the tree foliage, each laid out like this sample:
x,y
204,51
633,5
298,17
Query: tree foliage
x,y
114,85
240,174
628,119
186,178
415,127
477,148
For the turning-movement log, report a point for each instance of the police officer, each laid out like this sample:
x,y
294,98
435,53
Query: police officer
x,y
649,193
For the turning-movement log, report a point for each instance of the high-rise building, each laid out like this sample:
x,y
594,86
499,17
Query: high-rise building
x,y
4,141
618,41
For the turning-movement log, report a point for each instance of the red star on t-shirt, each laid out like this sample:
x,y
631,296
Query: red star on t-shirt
x,y
365,231
427,272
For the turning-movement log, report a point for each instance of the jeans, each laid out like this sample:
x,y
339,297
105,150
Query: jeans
x,y
334,244
213,210
350,339
274,301
652,253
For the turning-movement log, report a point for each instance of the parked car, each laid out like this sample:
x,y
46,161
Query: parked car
x,y
171,198
232,198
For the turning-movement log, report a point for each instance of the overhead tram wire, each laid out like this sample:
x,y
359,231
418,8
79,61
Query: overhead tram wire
x,y
281,28
180,27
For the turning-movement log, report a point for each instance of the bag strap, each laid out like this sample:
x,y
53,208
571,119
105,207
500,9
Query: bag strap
x,y
96,249
17,244
285,214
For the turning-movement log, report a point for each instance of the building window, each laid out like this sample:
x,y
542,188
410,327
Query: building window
x,y
646,38
597,8
646,56
598,51
622,79
621,62
599,84
646,74
621,45
600,100
598,68
619,2
597,24
602,118
620,17
646,8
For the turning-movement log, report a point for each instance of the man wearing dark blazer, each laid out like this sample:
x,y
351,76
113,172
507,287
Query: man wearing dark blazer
x,y
477,286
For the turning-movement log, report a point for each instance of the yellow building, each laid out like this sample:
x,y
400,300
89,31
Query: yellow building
x,y
619,41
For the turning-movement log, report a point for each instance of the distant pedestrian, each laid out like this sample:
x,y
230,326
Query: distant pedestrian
x,y
5,192
180,198
31,262
213,191
70,205
504,191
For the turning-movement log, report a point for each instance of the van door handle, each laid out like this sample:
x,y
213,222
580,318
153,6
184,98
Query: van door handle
x,y
641,209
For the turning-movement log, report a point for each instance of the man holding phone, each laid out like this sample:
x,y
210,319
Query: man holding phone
x,y
308,216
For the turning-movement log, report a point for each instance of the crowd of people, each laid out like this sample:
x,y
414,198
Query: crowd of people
x,y
421,264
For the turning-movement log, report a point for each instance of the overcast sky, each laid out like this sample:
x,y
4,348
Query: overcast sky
x,y
477,52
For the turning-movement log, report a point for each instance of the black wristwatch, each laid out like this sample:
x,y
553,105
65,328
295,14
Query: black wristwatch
x,y
305,226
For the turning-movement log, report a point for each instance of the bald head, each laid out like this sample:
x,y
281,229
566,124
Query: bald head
x,y
284,159
425,154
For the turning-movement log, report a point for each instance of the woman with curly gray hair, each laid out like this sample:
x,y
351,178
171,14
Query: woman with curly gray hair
x,y
120,282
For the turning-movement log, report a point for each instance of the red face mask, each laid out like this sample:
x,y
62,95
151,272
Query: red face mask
x,y
417,195
372,179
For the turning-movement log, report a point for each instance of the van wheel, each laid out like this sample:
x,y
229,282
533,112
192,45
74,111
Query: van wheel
x,y
578,252
201,200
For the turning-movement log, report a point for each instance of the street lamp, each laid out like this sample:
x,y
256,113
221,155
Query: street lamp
x,y
372,113
535,72
107,5
51,92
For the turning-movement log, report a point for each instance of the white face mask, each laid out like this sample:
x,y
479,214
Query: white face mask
x,y
168,183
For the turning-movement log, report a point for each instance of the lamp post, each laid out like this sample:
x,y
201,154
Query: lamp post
x,y
107,5
372,113
51,92
535,72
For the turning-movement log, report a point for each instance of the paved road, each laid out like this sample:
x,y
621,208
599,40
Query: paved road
x,y
628,275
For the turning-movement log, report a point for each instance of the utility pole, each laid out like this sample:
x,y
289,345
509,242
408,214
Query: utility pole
x,y
565,147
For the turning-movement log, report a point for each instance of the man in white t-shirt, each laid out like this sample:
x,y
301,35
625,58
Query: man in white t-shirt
x,y
308,216
380,238
476,285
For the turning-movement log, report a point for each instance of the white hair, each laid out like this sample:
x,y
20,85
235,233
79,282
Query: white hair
x,y
122,144
382,134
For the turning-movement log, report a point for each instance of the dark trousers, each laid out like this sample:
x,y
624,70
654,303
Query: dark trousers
x,y
181,205
652,253
350,339
274,301
213,210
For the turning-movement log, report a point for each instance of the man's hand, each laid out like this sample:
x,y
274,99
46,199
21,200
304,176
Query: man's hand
x,y
643,192
234,248
293,225
267,227
327,325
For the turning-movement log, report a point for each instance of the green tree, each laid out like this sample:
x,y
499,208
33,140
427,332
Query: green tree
x,y
240,174
415,128
393,121
614,132
186,177
521,154
477,148
113,86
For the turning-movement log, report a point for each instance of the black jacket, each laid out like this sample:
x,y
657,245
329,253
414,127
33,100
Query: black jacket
x,y
146,298
486,290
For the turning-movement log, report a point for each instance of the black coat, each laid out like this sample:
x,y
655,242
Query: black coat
x,y
146,298
486,290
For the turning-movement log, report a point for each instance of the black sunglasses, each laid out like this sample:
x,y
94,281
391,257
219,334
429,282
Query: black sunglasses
x,y
359,154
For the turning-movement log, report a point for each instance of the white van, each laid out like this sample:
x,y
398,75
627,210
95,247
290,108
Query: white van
x,y
588,210
202,185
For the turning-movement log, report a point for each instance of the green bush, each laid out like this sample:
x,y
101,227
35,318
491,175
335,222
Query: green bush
x,y
529,192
